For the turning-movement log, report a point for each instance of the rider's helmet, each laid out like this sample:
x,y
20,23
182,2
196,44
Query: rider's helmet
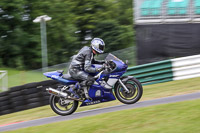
x,y
98,45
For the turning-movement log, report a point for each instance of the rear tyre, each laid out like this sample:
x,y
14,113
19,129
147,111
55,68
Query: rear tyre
x,y
62,106
135,91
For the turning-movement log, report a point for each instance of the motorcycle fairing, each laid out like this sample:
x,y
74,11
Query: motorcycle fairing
x,y
50,74
105,95
99,95
57,76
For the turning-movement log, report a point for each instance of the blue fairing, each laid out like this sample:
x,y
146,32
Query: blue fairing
x,y
99,95
120,66
58,76
53,73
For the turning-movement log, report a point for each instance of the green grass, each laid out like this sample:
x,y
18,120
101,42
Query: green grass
x,y
19,77
11,71
26,77
181,117
150,92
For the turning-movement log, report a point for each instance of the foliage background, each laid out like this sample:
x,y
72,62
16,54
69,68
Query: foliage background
x,y
74,23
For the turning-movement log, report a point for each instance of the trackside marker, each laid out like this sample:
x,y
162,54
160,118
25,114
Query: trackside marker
x,y
11,123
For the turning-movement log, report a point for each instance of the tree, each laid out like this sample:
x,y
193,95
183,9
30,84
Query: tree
x,y
74,23
61,38
115,36
11,21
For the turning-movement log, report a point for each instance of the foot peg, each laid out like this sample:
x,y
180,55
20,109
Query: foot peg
x,y
72,92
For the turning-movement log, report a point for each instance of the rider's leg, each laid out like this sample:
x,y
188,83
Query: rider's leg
x,y
86,85
86,79
72,90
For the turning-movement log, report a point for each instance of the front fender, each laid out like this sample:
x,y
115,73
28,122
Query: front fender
x,y
126,78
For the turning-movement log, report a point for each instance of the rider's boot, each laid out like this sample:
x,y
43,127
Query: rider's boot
x,y
72,90
86,88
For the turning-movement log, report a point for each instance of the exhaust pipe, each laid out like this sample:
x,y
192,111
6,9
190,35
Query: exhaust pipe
x,y
56,92
61,94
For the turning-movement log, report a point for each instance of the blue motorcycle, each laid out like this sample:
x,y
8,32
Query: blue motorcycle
x,y
109,85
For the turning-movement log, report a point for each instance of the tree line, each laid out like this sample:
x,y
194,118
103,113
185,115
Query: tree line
x,y
74,23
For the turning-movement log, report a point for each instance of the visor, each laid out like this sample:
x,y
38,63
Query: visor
x,y
101,47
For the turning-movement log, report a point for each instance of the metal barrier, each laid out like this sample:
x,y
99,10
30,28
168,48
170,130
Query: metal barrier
x,y
152,73
168,70
186,67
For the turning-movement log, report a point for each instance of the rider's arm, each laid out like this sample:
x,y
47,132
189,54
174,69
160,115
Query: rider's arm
x,y
88,64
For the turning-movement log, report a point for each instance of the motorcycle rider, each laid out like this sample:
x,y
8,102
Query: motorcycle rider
x,y
81,65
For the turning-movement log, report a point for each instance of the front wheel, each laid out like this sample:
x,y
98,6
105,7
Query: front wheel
x,y
62,106
134,94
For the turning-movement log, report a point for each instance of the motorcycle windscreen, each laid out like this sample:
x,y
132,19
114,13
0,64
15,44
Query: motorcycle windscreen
x,y
112,57
119,64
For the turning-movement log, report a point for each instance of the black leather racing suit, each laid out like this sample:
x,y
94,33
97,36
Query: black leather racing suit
x,y
81,65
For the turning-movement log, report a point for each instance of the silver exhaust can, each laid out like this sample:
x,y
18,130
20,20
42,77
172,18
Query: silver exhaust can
x,y
56,92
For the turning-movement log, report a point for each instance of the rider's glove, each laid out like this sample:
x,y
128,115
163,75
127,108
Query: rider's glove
x,y
100,69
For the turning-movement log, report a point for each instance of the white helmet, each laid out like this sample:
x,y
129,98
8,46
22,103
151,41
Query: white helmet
x,y
98,45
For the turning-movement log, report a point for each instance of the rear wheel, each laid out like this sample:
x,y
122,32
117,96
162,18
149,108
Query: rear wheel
x,y
134,94
63,106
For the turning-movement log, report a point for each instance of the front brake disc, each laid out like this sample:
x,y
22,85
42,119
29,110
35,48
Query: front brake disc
x,y
131,92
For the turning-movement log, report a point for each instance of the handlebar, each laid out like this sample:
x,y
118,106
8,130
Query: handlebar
x,y
107,67
98,75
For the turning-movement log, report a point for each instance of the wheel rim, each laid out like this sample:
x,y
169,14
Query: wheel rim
x,y
133,91
61,105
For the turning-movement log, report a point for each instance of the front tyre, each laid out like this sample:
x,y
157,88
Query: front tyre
x,y
134,94
62,106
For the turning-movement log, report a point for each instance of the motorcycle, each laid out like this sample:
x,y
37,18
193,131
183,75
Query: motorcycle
x,y
109,84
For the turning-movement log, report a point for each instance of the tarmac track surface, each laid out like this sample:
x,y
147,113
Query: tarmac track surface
x,y
42,121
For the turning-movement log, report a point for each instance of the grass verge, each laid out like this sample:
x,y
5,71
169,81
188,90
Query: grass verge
x,y
150,92
181,117
18,77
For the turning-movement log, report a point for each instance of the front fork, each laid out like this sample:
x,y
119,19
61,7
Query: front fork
x,y
124,87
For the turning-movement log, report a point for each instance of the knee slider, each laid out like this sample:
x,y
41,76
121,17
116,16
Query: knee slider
x,y
83,83
91,82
